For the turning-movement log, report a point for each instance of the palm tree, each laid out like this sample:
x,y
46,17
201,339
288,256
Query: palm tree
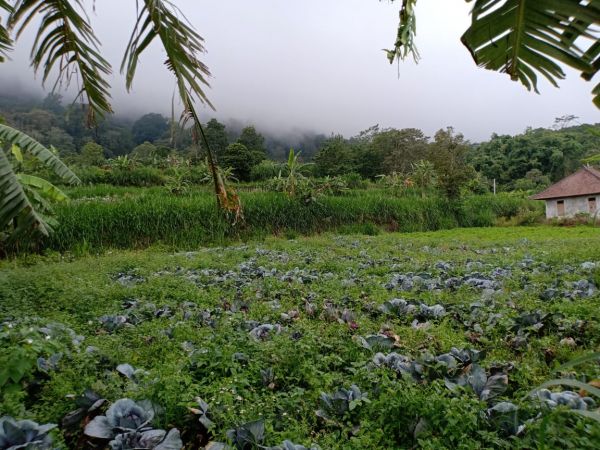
x,y
65,42
523,38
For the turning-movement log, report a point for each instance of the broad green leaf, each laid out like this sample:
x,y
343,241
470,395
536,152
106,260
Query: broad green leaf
x,y
29,145
16,210
47,188
585,358
16,151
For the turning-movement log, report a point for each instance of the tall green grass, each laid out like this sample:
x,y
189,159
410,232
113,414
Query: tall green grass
x,y
138,218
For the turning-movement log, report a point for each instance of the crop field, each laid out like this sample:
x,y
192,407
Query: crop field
x,y
426,340
100,217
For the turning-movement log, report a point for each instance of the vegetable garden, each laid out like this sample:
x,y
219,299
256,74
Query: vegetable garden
x,y
448,339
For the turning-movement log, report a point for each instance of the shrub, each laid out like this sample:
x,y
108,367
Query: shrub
x,y
268,170
354,181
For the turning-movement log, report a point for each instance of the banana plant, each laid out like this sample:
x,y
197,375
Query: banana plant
x,y
24,198
523,38
65,43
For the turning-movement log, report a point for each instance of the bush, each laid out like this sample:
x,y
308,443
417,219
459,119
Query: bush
x,y
354,181
268,170
239,159
140,177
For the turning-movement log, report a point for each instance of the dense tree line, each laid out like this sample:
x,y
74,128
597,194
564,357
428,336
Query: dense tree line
x,y
527,161
52,122
536,157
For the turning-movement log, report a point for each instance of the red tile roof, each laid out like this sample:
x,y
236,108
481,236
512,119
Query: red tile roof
x,y
586,181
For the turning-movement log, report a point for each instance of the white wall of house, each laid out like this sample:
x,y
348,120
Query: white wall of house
x,y
573,206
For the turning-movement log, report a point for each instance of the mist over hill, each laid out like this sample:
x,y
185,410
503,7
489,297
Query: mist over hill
x,y
528,160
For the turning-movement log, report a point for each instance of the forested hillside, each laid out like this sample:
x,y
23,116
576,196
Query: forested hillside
x,y
527,161
54,122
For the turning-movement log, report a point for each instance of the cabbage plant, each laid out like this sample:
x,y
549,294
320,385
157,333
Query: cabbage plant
x,y
505,416
336,405
24,434
88,403
247,436
203,410
376,342
484,386
127,426
569,399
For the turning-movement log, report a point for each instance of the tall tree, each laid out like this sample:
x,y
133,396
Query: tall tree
x,y
92,154
53,103
335,157
448,153
149,128
239,158
255,143
216,137
400,149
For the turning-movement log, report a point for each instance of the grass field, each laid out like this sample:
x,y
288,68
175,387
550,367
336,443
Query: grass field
x,y
260,331
105,217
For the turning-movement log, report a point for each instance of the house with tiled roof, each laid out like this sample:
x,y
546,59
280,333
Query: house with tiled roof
x,y
576,194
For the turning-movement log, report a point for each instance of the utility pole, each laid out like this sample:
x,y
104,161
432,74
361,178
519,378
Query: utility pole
x,y
494,186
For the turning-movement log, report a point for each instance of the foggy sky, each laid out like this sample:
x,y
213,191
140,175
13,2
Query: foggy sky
x,y
318,65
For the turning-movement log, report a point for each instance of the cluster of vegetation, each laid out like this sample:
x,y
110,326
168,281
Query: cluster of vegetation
x,y
53,123
382,342
526,162
104,217
456,339
413,185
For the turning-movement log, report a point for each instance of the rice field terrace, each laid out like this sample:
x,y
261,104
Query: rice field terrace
x,y
427,340
104,217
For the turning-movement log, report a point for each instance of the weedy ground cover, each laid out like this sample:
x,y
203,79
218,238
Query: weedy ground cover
x,y
424,340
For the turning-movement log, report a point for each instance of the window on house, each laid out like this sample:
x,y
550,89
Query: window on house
x,y
560,206
592,205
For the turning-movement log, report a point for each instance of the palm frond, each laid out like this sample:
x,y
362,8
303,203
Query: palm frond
x,y
5,40
66,41
590,356
594,415
29,145
163,20
405,37
527,38
17,214
596,94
